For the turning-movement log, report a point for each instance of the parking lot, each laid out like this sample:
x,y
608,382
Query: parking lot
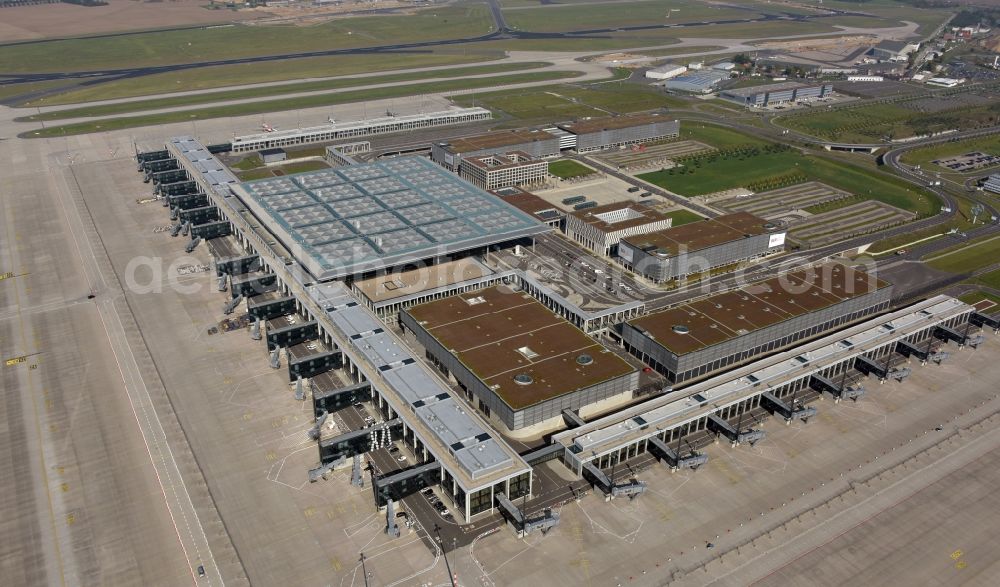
x,y
776,204
860,218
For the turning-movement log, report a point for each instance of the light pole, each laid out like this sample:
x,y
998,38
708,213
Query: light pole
x,y
364,569
451,577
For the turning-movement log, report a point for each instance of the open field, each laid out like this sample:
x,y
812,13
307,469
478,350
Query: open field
x,y
618,14
968,256
568,168
978,296
546,104
251,73
268,91
68,20
901,119
196,45
105,124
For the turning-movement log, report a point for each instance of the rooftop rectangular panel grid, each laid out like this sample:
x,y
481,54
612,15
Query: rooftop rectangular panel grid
x,y
701,235
590,125
428,210
499,333
730,314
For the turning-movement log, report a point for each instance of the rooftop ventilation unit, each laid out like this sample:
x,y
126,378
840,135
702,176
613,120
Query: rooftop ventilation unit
x,y
523,379
680,329
585,359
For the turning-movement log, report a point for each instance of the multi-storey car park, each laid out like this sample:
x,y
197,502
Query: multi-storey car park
x,y
600,228
339,131
700,246
321,326
590,134
697,338
521,364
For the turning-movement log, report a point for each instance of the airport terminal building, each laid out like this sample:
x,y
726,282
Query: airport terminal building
x,y
700,246
698,338
521,364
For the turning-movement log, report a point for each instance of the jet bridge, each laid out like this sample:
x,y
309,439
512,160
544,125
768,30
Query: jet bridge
x,y
869,367
212,229
787,411
839,392
945,333
186,201
980,319
399,484
335,399
359,441
720,426
660,450
177,188
199,215
597,478
237,265
251,284
522,525
573,420
908,349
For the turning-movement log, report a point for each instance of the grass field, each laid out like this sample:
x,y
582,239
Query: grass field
x,y
968,256
106,124
198,45
730,173
961,221
286,169
620,14
977,296
990,279
875,122
565,102
267,91
924,155
568,168
251,73
682,216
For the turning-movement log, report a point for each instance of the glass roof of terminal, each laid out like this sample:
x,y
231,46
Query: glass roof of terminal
x,y
351,219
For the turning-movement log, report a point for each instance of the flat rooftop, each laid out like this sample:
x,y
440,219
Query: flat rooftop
x,y
500,334
529,203
497,139
715,319
619,216
763,89
590,125
506,160
339,222
400,284
701,235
